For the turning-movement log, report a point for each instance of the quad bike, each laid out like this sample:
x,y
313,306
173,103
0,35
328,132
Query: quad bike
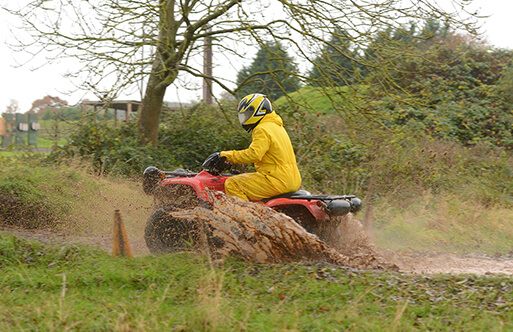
x,y
181,189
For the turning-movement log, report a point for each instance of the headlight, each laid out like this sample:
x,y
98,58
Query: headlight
x,y
151,178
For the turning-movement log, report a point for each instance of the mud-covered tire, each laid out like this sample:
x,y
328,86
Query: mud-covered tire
x,y
166,234
324,229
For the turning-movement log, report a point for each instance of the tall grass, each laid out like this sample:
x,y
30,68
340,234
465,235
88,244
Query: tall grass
x,y
443,223
430,194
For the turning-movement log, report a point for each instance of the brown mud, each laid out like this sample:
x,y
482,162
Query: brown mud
x,y
259,234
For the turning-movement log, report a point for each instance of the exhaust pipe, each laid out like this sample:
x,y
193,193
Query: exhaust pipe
x,y
338,207
342,207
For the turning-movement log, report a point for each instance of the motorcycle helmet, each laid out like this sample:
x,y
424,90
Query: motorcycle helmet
x,y
252,110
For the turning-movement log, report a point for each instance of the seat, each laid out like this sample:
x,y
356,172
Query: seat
x,y
288,195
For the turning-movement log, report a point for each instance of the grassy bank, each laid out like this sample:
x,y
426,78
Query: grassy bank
x,y
69,200
61,287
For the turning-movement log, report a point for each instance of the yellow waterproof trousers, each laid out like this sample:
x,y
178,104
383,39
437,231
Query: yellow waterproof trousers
x,y
250,187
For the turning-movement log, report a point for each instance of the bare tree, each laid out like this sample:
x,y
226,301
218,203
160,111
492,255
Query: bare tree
x,y
122,42
13,107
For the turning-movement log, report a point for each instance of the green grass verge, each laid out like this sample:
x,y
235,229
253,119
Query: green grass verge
x,y
70,287
316,99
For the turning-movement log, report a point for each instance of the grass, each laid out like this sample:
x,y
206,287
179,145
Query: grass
x,y
314,98
444,223
42,143
455,227
51,133
69,287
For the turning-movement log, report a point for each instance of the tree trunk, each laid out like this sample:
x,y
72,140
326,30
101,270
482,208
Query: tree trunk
x,y
149,116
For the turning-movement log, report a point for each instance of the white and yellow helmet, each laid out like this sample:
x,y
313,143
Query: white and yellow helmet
x,y
252,109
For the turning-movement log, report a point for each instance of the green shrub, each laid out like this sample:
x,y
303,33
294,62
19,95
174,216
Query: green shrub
x,y
466,122
404,160
330,161
192,135
112,150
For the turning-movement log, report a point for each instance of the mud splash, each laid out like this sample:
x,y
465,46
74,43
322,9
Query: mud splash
x,y
259,234
346,245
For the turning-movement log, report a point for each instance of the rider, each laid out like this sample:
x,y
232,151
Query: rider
x,y
270,150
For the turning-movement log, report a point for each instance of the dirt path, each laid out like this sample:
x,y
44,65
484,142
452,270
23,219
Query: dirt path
x,y
103,241
429,263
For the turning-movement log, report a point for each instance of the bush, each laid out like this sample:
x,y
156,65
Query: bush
x,y
333,157
192,135
115,151
186,139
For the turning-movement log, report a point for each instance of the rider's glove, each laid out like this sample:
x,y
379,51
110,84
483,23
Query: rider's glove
x,y
215,163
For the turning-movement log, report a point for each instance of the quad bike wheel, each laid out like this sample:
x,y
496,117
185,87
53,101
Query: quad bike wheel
x,y
181,195
166,234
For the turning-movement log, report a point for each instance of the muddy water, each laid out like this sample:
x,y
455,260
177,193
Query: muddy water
x,y
443,263
259,234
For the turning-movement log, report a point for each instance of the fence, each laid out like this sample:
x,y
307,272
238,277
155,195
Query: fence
x,y
19,129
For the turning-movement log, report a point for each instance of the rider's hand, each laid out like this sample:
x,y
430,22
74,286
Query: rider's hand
x,y
215,162
220,160
213,159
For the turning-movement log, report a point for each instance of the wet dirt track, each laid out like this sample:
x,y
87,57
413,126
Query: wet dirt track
x,y
440,263
415,263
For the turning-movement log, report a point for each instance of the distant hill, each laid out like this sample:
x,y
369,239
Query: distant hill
x,y
317,99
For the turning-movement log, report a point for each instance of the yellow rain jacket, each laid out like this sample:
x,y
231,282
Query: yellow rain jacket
x,y
274,159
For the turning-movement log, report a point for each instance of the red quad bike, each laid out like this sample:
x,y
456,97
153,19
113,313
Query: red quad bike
x,y
181,189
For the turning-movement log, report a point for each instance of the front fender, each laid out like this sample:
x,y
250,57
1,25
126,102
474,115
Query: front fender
x,y
200,184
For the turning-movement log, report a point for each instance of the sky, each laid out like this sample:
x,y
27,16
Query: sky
x,y
26,84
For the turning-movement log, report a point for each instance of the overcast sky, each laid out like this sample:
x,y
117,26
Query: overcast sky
x,y
26,85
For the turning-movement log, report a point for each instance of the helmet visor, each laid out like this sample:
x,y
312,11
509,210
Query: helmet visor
x,y
246,115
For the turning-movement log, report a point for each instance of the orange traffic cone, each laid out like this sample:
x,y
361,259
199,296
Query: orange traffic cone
x,y
121,246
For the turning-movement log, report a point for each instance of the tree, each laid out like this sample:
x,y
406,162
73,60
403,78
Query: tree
x,y
49,103
337,64
272,73
13,107
121,42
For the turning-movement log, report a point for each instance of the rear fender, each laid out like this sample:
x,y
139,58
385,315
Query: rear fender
x,y
313,206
